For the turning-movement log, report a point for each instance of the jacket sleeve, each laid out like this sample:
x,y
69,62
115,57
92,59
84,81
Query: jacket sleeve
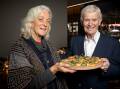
x,y
22,74
114,69
41,80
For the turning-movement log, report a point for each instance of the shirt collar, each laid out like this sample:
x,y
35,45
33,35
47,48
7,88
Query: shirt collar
x,y
95,38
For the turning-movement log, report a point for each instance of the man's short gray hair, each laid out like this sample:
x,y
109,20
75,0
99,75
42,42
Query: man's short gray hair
x,y
89,9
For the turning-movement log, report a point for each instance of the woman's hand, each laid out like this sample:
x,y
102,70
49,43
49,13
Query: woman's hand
x,y
105,64
62,67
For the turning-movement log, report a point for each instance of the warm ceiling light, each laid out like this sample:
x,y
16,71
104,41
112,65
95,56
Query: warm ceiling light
x,y
82,3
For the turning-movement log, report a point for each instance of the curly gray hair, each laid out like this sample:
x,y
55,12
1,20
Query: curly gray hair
x,y
30,17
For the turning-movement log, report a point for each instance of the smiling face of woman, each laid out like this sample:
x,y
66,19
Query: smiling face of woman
x,y
91,23
41,25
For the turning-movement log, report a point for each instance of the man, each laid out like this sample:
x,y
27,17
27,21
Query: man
x,y
94,43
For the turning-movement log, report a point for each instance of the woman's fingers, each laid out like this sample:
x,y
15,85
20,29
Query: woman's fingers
x,y
65,68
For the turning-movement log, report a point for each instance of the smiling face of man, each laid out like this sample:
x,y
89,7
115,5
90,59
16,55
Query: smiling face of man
x,y
91,23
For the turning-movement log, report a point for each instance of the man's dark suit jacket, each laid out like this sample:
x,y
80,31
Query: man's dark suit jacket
x,y
107,47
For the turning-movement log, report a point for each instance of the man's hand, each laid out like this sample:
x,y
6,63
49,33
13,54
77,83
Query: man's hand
x,y
105,64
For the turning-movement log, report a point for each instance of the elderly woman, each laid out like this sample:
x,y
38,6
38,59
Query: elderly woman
x,y
34,63
94,43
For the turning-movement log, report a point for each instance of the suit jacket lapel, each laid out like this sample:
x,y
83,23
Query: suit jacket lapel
x,y
80,46
99,47
82,49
